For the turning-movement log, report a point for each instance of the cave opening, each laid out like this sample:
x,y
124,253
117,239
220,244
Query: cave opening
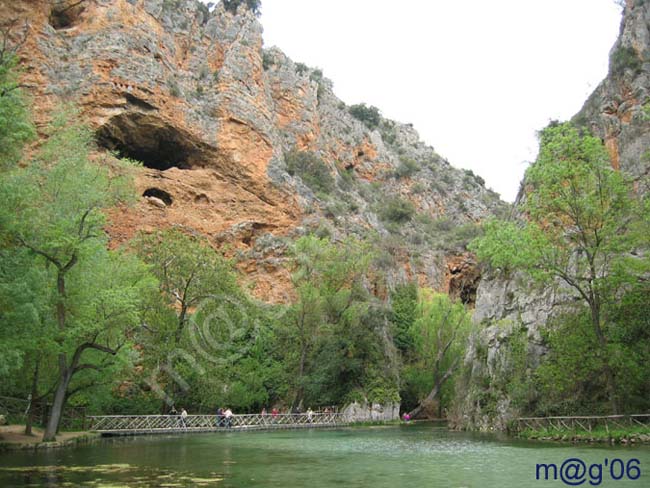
x,y
160,194
463,282
464,289
66,13
467,294
148,139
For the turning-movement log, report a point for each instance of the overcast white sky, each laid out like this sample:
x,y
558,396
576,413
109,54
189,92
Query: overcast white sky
x,y
477,78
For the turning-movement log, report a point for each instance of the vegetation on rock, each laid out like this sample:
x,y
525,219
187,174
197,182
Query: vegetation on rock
x,y
252,5
583,232
368,115
311,169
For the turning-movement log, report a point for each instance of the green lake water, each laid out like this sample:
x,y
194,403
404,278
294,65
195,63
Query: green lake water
x,y
402,456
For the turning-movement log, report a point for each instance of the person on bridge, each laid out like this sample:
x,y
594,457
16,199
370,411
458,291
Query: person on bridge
x,y
219,417
228,415
183,417
310,415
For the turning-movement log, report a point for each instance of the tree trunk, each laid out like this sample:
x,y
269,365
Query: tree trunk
x,y
33,396
436,389
64,373
297,400
610,382
57,407
301,372
430,397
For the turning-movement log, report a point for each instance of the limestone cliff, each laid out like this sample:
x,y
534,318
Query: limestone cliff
x,y
618,112
214,116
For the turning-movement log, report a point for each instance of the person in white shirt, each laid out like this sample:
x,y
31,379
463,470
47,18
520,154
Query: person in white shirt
x,y
228,415
183,416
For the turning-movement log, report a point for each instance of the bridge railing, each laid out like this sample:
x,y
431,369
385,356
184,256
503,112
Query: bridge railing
x,y
165,423
586,423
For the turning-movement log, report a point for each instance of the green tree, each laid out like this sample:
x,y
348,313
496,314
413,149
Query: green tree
x,y
439,333
15,124
583,226
571,380
193,277
26,359
334,322
404,312
52,209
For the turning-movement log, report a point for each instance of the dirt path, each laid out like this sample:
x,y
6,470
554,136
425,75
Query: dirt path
x,y
14,434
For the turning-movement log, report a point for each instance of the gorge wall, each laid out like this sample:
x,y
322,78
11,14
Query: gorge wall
x,y
228,131
510,309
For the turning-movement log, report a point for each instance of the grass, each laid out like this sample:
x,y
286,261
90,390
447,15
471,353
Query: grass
x,y
632,434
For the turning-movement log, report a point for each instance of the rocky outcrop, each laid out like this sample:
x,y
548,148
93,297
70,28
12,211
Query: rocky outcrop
x,y
212,114
371,412
619,112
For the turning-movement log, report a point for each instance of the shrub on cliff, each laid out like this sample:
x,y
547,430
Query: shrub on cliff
x,y
312,170
15,125
396,210
407,167
625,58
252,5
370,116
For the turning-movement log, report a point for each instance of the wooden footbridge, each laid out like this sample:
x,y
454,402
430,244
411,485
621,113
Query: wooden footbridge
x,y
166,424
583,423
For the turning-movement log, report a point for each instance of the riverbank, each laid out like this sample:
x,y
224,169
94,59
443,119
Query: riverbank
x,y
624,436
12,438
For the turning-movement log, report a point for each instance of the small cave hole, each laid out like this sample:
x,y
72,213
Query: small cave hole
x,y
66,13
159,194
148,139
201,199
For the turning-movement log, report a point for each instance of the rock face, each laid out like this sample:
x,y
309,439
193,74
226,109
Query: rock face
x,y
212,115
619,112
366,412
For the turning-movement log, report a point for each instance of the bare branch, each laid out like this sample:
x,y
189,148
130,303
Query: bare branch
x,y
40,252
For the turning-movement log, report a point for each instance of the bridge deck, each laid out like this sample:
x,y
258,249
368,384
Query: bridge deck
x,y
163,424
